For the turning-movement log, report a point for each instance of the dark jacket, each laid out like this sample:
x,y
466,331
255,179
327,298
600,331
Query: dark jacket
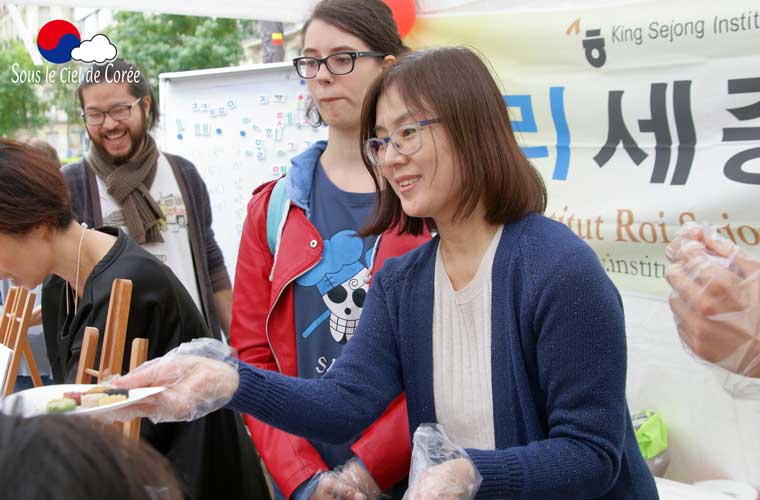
x,y
558,360
208,260
212,456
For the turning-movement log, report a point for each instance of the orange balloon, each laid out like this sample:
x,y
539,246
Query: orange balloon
x,y
404,13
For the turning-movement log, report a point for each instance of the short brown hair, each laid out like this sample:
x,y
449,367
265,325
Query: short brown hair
x,y
456,86
71,458
369,20
43,147
32,190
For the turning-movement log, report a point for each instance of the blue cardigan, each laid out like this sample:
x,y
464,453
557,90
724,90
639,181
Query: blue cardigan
x,y
561,421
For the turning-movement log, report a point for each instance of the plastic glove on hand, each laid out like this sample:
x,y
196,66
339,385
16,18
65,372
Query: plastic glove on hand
x,y
200,377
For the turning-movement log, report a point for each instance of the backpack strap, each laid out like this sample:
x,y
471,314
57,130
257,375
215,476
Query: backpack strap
x,y
278,202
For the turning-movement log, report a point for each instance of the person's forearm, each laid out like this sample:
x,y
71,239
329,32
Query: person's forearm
x,y
223,306
317,409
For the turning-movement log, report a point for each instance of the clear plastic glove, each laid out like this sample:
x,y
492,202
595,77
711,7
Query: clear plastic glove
x,y
716,303
440,469
348,482
200,377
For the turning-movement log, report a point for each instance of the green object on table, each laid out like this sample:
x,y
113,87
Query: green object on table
x,y
651,433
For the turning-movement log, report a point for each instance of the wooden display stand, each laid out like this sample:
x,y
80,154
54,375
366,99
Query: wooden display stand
x,y
14,326
112,351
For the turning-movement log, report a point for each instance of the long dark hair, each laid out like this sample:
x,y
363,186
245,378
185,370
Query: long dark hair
x,y
65,457
32,190
139,85
454,85
369,20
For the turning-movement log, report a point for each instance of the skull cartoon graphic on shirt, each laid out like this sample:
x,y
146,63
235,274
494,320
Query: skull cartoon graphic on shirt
x,y
342,280
345,303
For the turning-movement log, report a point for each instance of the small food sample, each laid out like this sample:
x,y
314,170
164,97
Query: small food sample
x,y
99,395
115,398
76,396
117,392
91,400
98,389
61,405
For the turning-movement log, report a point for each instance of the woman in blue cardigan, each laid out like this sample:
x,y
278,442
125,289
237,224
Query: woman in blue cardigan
x,y
504,328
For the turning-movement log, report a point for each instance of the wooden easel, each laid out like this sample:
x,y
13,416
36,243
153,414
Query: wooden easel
x,y
114,339
14,326
112,351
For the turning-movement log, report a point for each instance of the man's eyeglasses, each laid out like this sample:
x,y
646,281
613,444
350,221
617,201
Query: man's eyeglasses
x,y
406,139
340,63
118,113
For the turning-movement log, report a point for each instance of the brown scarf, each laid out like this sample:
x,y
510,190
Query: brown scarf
x,y
129,184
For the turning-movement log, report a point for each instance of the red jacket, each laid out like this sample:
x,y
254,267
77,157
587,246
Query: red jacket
x,y
266,337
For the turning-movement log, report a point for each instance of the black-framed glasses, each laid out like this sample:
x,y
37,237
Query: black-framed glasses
x,y
118,113
406,139
340,63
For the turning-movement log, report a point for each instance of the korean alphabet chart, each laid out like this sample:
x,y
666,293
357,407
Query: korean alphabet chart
x,y
240,127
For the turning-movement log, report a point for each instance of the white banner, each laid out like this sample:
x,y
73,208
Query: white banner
x,y
639,117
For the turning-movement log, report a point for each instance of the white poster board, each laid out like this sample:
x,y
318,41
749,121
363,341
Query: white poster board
x,y
239,126
6,354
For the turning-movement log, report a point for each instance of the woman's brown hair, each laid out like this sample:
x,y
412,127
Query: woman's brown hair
x,y
370,20
32,190
71,458
454,85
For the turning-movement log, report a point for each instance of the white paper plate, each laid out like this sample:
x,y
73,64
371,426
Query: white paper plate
x,y
33,402
672,490
732,489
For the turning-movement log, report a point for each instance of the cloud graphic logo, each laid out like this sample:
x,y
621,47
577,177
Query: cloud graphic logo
x,y
99,50
56,39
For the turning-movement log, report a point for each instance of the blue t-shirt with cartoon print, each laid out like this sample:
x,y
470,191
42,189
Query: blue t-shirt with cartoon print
x,y
329,298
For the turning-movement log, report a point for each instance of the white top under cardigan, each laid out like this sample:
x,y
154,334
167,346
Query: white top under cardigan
x,y
462,354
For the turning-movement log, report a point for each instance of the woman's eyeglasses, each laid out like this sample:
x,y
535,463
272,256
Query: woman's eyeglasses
x,y
406,139
340,63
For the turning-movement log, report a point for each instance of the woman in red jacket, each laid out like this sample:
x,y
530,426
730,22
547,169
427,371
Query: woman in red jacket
x,y
303,272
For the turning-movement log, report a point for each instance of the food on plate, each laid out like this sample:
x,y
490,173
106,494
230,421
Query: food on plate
x,y
100,395
98,389
61,405
109,399
76,396
91,400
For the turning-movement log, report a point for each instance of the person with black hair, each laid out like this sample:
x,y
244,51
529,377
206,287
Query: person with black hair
x,y
41,241
157,198
299,296
504,329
